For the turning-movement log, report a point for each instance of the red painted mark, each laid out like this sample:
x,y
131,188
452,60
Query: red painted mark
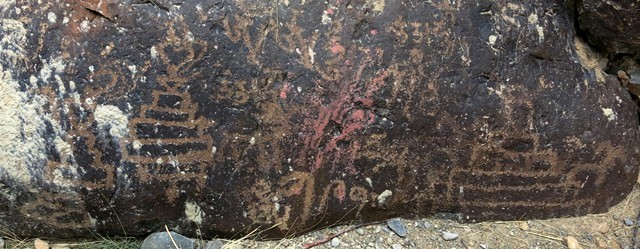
x,y
340,192
329,11
336,48
351,170
297,190
343,111
373,32
285,89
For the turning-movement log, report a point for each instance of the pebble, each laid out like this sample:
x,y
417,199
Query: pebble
x,y
335,242
614,245
428,224
214,244
628,222
397,246
601,244
423,224
161,240
572,243
40,244
397,226
603,228
524,226
1,243
484,246
449,235
360,231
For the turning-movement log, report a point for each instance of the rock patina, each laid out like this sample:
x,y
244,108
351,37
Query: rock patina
x,y
220,117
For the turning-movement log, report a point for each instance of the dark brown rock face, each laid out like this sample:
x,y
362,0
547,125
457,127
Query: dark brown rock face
x,y
220,117
613,26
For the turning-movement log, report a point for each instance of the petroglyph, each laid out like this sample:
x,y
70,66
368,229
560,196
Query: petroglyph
x,y
215,117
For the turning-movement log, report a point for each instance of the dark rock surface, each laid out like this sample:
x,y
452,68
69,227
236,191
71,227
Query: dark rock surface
x,y
612,26
222,117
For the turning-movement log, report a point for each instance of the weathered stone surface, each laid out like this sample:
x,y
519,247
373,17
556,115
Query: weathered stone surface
x,y
613,26
164,240
221,117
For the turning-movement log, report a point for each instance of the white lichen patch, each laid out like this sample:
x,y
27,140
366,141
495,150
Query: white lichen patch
x,y
533,19
193,212
84,26
52,17
154,52
377,5
133,70
137,145
384,197
540,31
535,24
12,39
51,67
492,40
28,131
6,4
60,180
609,113
109,116
23,121
325,18
22,145
63,148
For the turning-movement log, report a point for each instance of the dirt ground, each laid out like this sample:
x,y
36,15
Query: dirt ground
x,y
613,230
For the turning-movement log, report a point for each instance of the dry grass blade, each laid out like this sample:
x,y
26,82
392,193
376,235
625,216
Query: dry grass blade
x,y
171,237
545,236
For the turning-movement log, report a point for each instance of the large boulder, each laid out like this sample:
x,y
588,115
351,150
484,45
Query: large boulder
x,y
222,117
611,26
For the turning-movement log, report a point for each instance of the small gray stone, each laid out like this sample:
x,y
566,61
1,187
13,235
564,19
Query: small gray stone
x,y
449,235
385,229
162,240
397,226
214,244
427,225
628,222
360,231
484,246
397,246
1,243
335,242
423,224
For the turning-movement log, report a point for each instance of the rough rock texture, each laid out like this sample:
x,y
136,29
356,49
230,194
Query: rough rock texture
x,y
612,26
221,117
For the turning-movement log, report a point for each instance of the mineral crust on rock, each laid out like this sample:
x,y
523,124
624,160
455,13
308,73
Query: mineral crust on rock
x,y
216,118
